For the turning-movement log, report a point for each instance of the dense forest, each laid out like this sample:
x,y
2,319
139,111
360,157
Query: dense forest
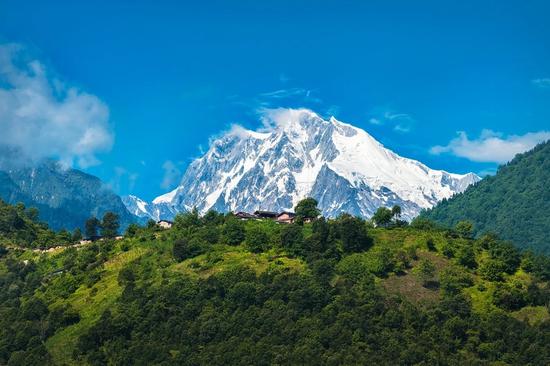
x,y
515,203
216,290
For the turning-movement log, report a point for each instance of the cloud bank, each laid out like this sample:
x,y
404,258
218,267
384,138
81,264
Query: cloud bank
x,y
42,117
491,147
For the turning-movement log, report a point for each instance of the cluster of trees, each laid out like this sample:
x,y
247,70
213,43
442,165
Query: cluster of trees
x,y
514,203
330,311
31,299
20,226
282,317
108,227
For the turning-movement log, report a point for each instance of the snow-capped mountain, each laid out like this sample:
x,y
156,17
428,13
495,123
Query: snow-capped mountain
x,y
299,154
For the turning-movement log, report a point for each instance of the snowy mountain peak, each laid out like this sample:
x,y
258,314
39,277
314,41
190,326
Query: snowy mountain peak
x,y
298,154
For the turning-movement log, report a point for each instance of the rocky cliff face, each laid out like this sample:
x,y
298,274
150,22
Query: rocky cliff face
x,y
65,197
299,155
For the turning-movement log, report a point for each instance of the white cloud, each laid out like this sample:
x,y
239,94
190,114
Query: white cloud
x,y
542,82
172,174
491,146
401,122
42,117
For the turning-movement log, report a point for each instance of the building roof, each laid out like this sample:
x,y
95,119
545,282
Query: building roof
x,y
245,215
265,213
291,214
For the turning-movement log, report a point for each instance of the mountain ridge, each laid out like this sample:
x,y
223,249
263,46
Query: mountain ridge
x,y
300,154
65,197
514,203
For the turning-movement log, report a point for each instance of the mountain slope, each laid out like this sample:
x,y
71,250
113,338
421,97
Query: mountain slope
x,y
302,155
64,197
514,203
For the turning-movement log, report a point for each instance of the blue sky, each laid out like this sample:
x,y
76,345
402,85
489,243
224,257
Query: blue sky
x,y
154,80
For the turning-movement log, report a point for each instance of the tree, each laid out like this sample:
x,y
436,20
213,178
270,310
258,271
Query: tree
x,y
77,235
306,209
110,225
32,214
382,216
467,257
233,231
396,211
184,248
132,230
292,239
256,239
465,229
353,233
92,224
425,271
187,220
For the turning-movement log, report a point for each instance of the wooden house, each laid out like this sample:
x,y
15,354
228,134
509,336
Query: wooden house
x,y
266,215
245,216
286,217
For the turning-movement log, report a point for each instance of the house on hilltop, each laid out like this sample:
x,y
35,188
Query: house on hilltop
x,y
245,216
165,224
266,215
286,217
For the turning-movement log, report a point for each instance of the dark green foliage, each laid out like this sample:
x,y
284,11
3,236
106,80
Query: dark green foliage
x,y
465,229
306,209
187,220
292,239
452,280
426,271
233,231
257,239
110,225
328,304
382,216
467,257
16,227
352,232
184,248
77,235
515,202
92,226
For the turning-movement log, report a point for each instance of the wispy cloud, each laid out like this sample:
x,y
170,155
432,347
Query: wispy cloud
x,y
541,83
172,174
123,178
399,122
491,147
41,116
306,94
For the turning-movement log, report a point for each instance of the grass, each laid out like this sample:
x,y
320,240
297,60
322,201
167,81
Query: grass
x,y
532,314
90,307
225,257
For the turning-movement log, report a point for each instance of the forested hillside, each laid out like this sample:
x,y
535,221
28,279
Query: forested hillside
x,y
515,203
216,290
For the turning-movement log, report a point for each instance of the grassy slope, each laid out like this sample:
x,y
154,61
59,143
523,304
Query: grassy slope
x,y
157,254
90,306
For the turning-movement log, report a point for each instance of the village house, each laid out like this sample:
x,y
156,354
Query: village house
x,y
165,224
245,216
286,217
266,215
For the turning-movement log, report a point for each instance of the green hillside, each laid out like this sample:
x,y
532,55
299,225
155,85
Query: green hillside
x,y
214,290
515,203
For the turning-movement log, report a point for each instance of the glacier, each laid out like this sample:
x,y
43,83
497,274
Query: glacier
x,y
299,154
